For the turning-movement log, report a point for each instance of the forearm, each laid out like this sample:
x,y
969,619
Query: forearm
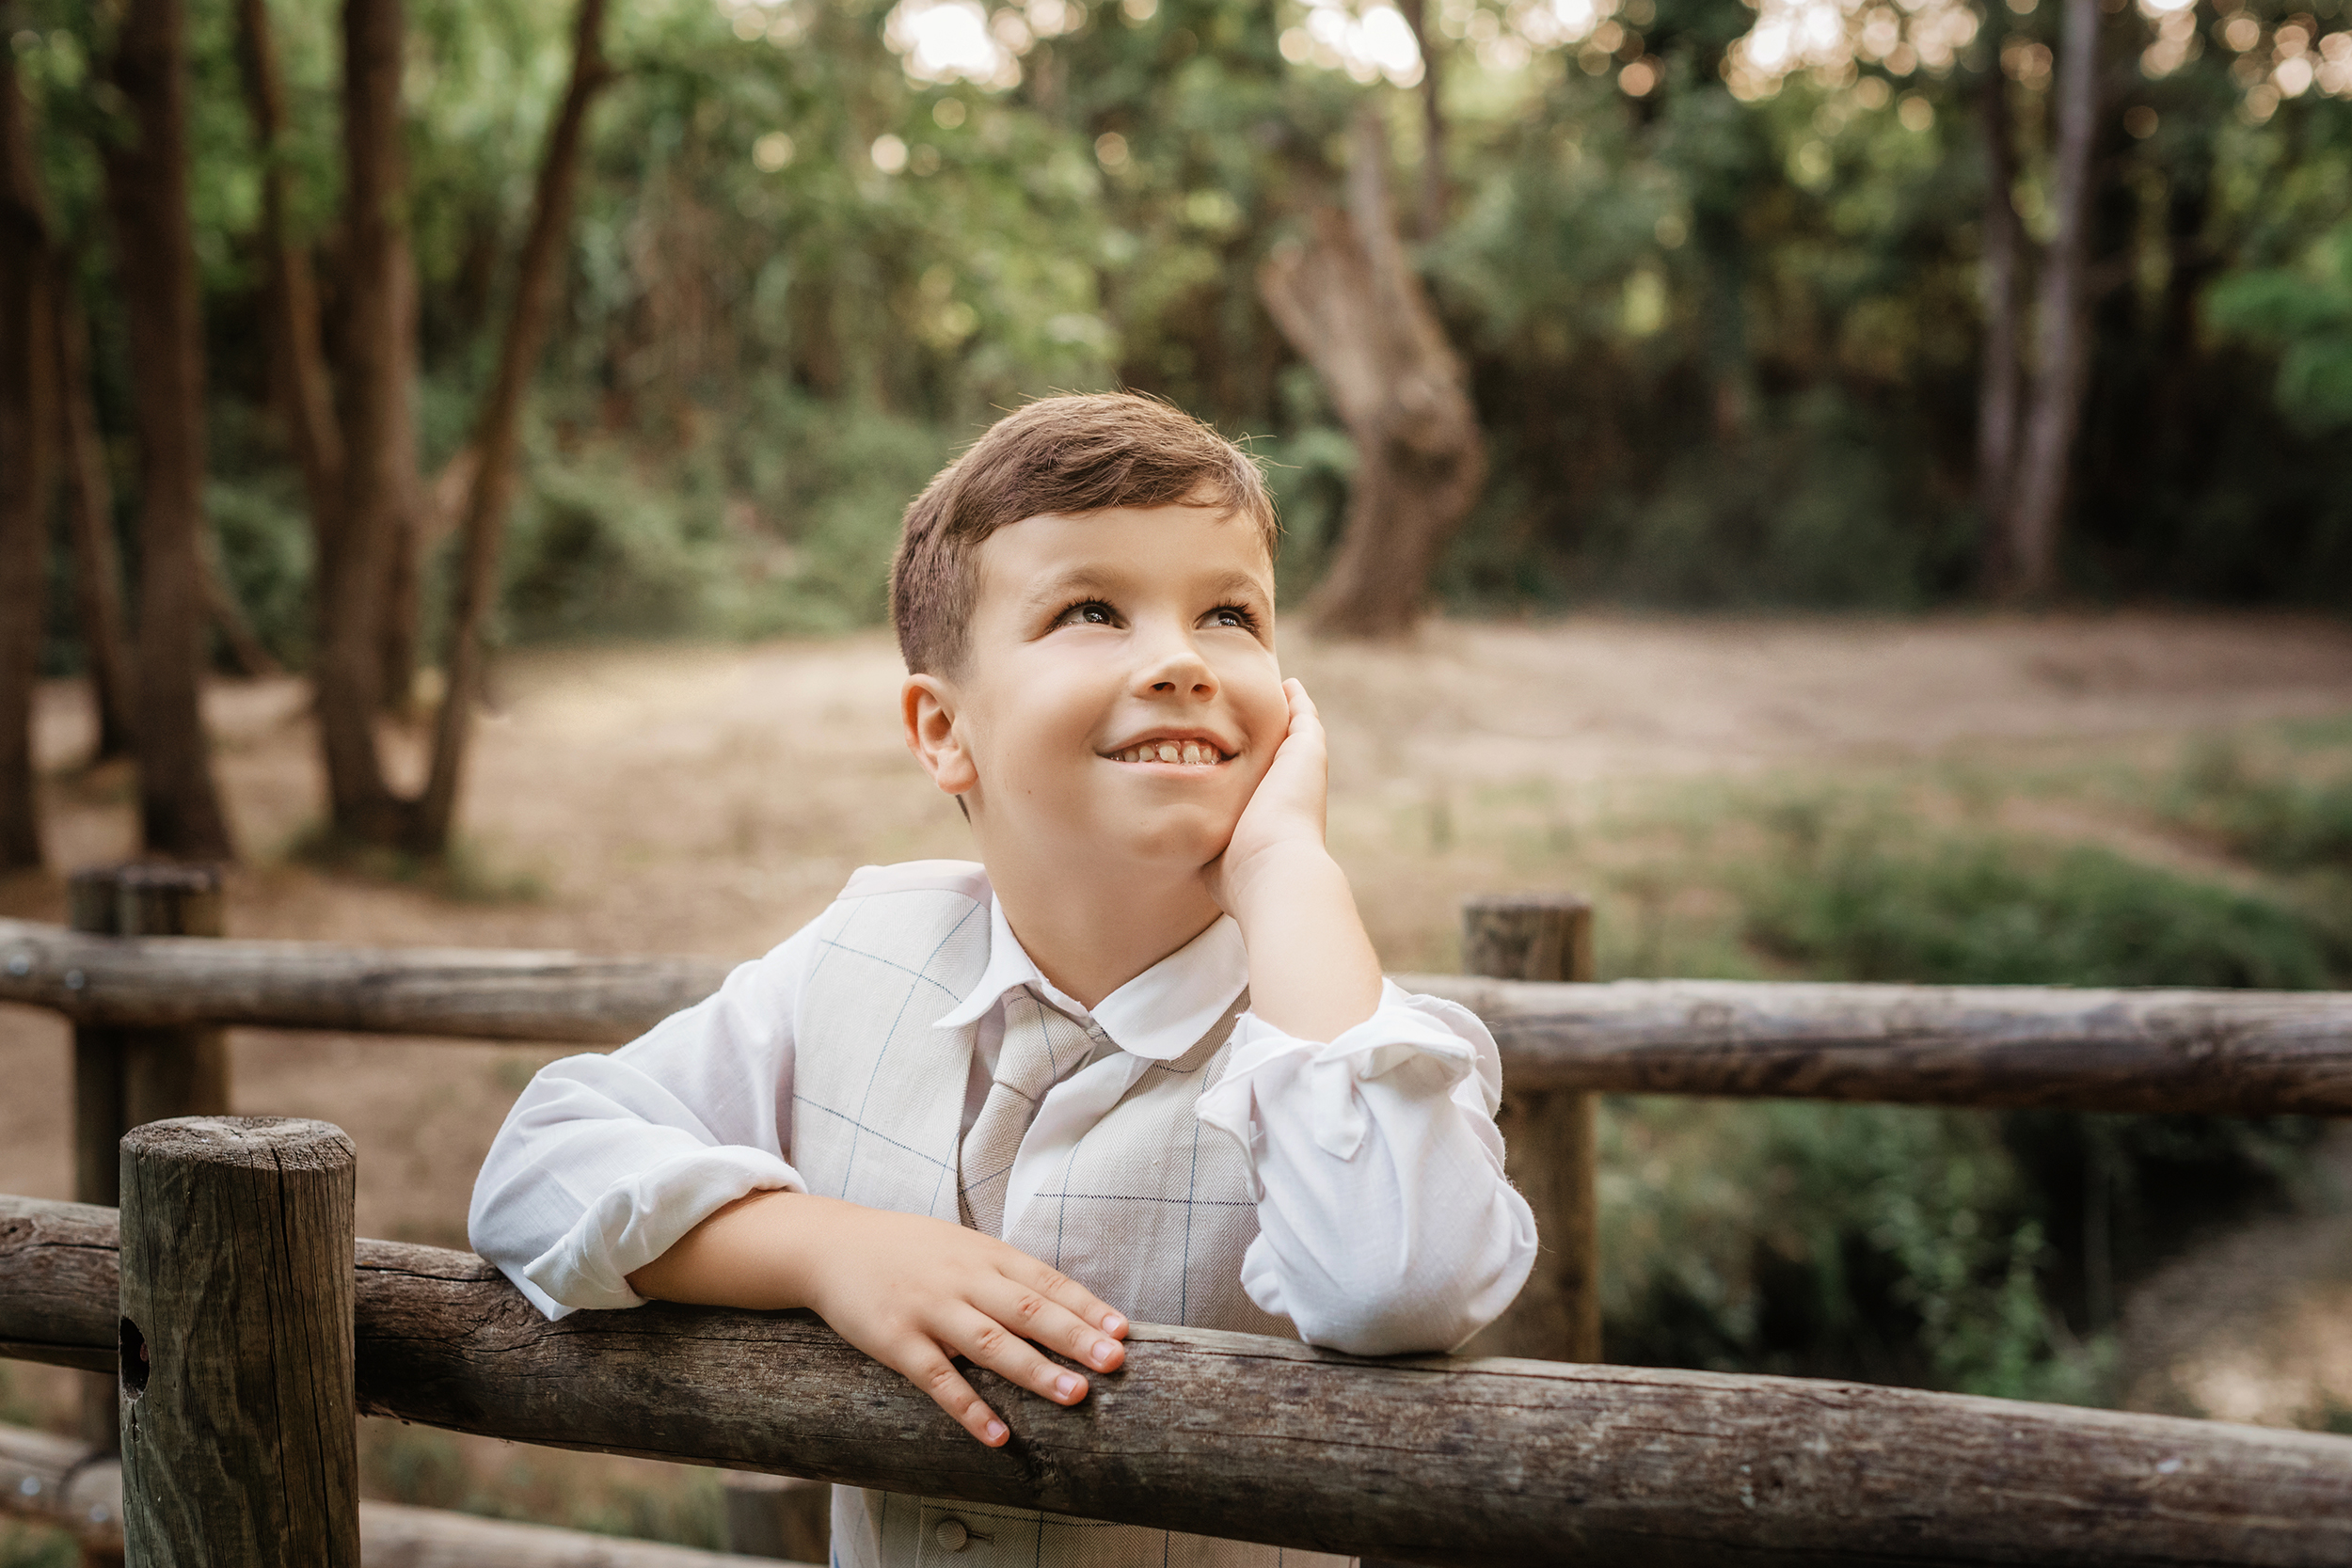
x,y
751,1253
1312,971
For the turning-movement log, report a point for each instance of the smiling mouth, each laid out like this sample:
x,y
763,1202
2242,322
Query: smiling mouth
x,y
1184,753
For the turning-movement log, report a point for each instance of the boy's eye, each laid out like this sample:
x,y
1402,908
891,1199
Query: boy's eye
x,y
1233,615
1088,612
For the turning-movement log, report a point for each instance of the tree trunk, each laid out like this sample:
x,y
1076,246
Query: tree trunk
x,y
1997,389
402,589
27,380
2063,325
245,647
1429,216
147,189
297,359
1349,303
355,547
495,430
90,524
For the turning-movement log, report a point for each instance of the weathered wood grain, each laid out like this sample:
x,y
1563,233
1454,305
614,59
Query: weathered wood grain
x,y
1548,1134
73,1487
237,1413
461,993
1431,1461
126,1076
60,1282
2219,1053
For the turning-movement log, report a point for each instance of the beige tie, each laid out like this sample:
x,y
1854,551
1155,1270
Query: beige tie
x,y
1041,1047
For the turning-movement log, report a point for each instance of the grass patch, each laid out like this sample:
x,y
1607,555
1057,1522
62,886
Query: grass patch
x,y
2268,815
464,874
1870,897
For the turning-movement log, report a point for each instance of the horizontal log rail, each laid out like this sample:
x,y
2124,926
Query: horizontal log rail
x,y
69,1486
471,994
1423,1459
2217,1053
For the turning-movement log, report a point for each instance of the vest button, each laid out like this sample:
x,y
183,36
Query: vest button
x,y
952,1535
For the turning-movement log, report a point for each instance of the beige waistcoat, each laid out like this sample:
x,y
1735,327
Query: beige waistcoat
x,y
1152,1211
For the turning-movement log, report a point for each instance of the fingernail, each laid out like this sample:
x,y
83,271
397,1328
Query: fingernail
x,y
1113,1323
996,1432
1103,1351
1066,1385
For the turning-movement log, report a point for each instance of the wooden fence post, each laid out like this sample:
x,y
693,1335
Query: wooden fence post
x,y
122,1077
1547,1135
238,1414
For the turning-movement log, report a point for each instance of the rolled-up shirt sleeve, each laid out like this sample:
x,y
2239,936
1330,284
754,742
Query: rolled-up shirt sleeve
x,y
605,1160
1386,1224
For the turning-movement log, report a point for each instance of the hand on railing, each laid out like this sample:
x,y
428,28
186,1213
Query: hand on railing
x,y
911,1292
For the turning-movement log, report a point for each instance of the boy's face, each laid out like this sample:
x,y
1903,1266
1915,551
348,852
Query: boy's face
x,y
1119,698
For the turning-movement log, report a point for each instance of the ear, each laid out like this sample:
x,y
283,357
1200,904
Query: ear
x,y
927,708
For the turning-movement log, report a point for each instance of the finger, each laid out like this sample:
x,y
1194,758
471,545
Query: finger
x,y
1059,1287
982,1340
923,1364
1034,1315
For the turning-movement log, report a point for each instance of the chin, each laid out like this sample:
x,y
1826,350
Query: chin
x,y
1187,838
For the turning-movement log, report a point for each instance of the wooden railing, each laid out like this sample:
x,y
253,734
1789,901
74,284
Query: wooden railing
x,y
2222,1053
1426,1459
1430,1460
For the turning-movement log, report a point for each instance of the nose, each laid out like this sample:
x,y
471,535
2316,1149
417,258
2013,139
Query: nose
x,y
1172,667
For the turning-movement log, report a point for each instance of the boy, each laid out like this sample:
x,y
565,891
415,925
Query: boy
x,y
1139,1060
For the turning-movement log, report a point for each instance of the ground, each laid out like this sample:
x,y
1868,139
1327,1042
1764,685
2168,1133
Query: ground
x,y
710,799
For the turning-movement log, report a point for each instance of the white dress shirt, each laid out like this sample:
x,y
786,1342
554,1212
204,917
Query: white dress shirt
x,y
1385,1223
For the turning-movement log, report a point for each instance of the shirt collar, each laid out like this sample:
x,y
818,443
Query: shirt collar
x,y
1159,1015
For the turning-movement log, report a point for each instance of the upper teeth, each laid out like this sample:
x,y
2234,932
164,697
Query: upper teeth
x,y
1189,751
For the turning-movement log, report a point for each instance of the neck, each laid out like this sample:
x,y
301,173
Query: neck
x,y
1092,934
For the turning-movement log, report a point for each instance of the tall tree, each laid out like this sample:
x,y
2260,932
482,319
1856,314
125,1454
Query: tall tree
x,y
379,465
2003,283
536,273
147,196
298,370
26,433
1349,302
90,527
2061,318
1430,203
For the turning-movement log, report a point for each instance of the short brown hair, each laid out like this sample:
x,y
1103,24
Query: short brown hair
x,y
1064,456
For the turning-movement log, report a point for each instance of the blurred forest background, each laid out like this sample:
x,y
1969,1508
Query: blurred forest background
x,y
1723,316
1833,304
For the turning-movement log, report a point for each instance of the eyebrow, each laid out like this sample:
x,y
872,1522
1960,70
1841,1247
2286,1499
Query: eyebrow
x,y
1093,580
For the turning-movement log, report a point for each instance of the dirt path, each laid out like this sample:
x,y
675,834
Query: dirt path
x,y
710,799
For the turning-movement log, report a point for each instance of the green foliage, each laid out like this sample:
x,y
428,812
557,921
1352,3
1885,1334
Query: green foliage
x,y
2275,819
1829,1240
1967,1251
2305,314
784,523
1724,351
36,1546
263,529
1867,900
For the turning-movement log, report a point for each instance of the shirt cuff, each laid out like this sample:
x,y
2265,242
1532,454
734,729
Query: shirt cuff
x,y
639,1218
1405,1028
